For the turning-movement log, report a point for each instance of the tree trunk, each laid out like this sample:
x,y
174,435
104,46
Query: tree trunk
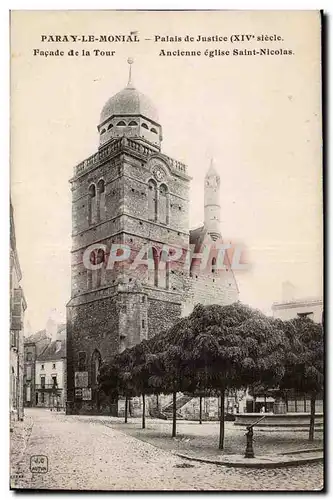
x,y
130,407
174,414
157,403
200,410
126,407
143,411
265,403
221,441
312,416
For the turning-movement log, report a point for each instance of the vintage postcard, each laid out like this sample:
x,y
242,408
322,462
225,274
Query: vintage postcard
x,y
166,251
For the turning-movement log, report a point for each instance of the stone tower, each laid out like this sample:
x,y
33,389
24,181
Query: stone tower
x,y
212,202
211,278
127,193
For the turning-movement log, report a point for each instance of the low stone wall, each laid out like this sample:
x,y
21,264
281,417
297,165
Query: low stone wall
x,y
210,409
278,420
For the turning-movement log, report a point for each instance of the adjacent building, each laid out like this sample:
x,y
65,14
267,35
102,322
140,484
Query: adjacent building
x,y
131,193
51,375
313,308
34,345
292,307
45,367
18,306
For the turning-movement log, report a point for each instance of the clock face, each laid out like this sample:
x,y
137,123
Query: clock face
x,y
159,173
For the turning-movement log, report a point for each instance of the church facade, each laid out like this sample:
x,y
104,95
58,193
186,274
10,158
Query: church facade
x,y
131,195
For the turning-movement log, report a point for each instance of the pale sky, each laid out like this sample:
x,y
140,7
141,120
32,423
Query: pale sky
x,y
258,116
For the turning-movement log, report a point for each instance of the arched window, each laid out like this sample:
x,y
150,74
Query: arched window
x,y
92,204
103,131
213,265
167,275
163,204
110,126
121,124
164,270
92,259
132,124
153,266
100,258
152,200
144,125
153,130
101,200
94,276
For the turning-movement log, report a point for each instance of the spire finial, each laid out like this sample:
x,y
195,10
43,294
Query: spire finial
x,y
212,168
130,61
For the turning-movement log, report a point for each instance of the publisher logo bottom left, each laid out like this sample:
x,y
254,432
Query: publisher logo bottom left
x,y
39,463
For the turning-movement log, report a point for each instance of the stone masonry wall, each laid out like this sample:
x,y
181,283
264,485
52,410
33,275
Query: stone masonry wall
x,y
161,315
90,326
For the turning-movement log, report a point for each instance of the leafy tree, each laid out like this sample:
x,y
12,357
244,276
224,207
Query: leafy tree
x,y
214,349
115,379
109,380
231,347
126,384
140,372
171,364
304,363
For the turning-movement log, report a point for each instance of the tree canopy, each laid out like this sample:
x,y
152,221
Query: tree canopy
x,y
217,348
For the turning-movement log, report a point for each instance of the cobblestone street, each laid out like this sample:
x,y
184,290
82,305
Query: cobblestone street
x,y
84,454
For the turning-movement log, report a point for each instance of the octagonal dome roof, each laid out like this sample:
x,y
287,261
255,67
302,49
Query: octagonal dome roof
x,y
129,101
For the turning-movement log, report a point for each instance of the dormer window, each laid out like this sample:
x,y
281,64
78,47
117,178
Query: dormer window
x,y
132,124
144,125
153,130
103,131
121,124
110,126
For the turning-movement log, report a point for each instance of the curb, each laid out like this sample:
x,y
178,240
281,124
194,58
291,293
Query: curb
x,y
305,450
259,464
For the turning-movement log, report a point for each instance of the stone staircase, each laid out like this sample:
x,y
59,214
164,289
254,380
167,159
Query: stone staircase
x,y
166,411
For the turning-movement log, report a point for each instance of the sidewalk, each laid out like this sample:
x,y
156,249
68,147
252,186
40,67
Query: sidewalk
x,y
290,459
